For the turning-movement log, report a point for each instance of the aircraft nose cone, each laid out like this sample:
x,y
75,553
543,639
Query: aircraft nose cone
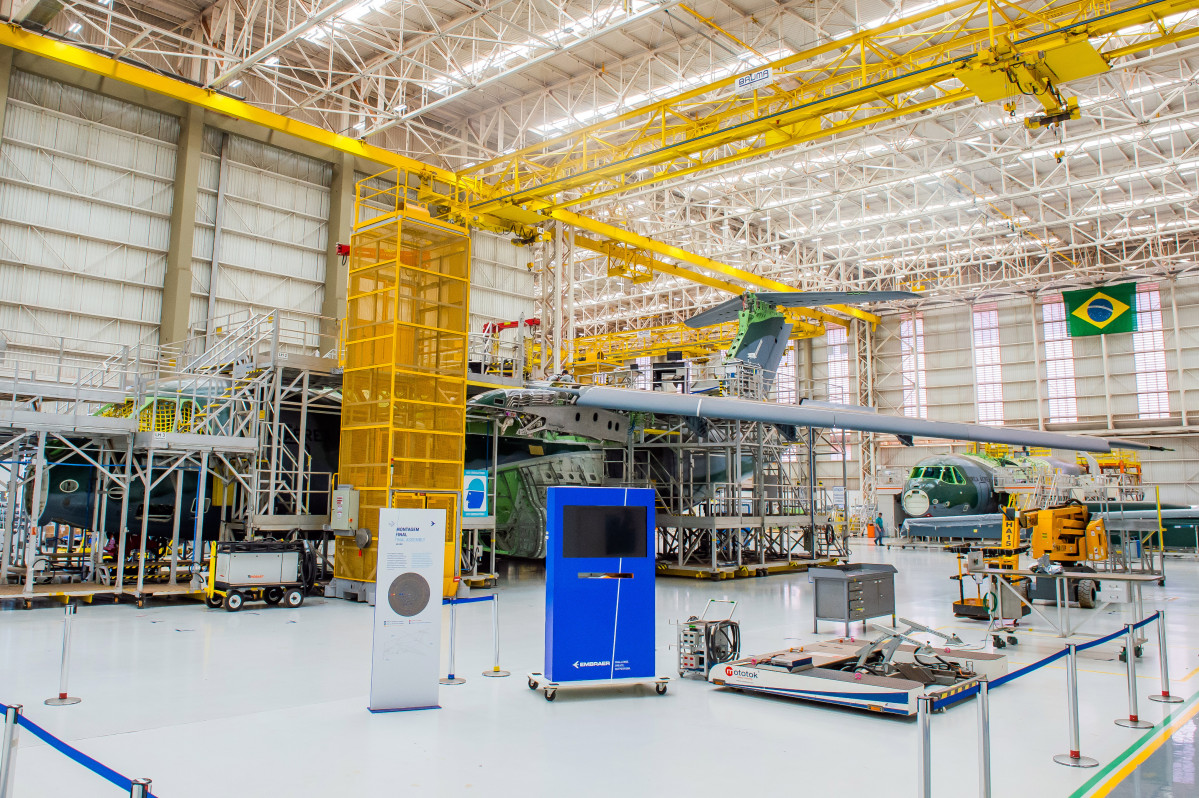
x,y
916,502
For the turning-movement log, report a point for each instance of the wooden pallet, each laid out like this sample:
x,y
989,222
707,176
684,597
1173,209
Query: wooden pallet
x,y
90,591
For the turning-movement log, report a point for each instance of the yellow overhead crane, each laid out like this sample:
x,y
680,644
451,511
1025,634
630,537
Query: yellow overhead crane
x,y
994,49
610,351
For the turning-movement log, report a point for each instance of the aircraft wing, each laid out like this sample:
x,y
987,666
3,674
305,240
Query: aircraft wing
x,y
728,309
692,406
725,311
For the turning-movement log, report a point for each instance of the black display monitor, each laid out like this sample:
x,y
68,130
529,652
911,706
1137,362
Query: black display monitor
x,y
603,531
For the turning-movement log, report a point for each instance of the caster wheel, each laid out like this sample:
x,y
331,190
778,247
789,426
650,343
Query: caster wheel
x,y
234,601
998,641
550,695
532,684
28,604
141,604
293,598
660,688
214,601
272,595
1011,639
1124,655
1138,651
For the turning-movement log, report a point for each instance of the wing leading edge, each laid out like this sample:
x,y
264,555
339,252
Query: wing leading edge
x,y
693,406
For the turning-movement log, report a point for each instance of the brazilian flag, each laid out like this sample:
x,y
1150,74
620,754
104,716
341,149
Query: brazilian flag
x,y
1098,311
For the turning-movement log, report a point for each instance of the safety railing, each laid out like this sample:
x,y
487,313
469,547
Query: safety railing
x,y
495,671
491,356
15,720
980,690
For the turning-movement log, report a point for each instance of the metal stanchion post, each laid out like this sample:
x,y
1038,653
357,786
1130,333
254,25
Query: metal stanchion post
x,y
63,699
450,678
140,788
1074,759
924,711
8,750
1133,721
1165,697
495,638
984,738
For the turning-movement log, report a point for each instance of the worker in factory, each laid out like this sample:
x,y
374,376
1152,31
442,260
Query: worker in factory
x,y
879,530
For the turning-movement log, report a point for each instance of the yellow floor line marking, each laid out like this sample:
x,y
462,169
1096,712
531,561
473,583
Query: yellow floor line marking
x,y
1132,764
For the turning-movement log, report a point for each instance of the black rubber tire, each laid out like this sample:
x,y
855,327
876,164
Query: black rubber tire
x,y
532,684
214,601
550,695
293,598
272,595
661,688
1085,592
234,601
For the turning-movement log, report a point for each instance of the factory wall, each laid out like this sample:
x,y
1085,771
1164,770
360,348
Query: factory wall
x,y
1105,376
90,171
85,198
274,231
501,284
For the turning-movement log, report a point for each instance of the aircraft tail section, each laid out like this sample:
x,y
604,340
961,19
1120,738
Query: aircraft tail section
x,y
762,342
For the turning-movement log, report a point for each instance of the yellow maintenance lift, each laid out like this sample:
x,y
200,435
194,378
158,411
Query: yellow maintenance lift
x,y
403,422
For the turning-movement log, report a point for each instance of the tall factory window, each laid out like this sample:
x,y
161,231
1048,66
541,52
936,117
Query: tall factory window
x,y
1149,355
784,380
1059,364
988,379
644,379
836,347
911,358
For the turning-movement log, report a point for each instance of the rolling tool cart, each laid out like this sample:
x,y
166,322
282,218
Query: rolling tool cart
x,y
259,570
707,642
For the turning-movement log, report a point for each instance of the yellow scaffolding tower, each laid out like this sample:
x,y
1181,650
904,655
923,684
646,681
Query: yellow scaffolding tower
x,y
404,382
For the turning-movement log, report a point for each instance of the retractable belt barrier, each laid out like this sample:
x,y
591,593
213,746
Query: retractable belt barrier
x,y
14,719
452,603
926,705
972,691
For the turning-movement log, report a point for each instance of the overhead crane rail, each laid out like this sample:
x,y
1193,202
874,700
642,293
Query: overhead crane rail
x,y
863,79
994,49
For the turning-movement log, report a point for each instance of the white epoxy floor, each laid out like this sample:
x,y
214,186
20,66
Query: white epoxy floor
x,y
271,701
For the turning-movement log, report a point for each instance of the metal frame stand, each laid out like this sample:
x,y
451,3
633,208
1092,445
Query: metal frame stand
x,y
8,750
1074,759
1165,697
1133,721
984,737
63,699
450,678
924,712
495,671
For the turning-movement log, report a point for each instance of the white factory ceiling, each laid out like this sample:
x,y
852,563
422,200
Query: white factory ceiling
x,y
961,201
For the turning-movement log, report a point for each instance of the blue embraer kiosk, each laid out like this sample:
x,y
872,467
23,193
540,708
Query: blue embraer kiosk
x,y
599,589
